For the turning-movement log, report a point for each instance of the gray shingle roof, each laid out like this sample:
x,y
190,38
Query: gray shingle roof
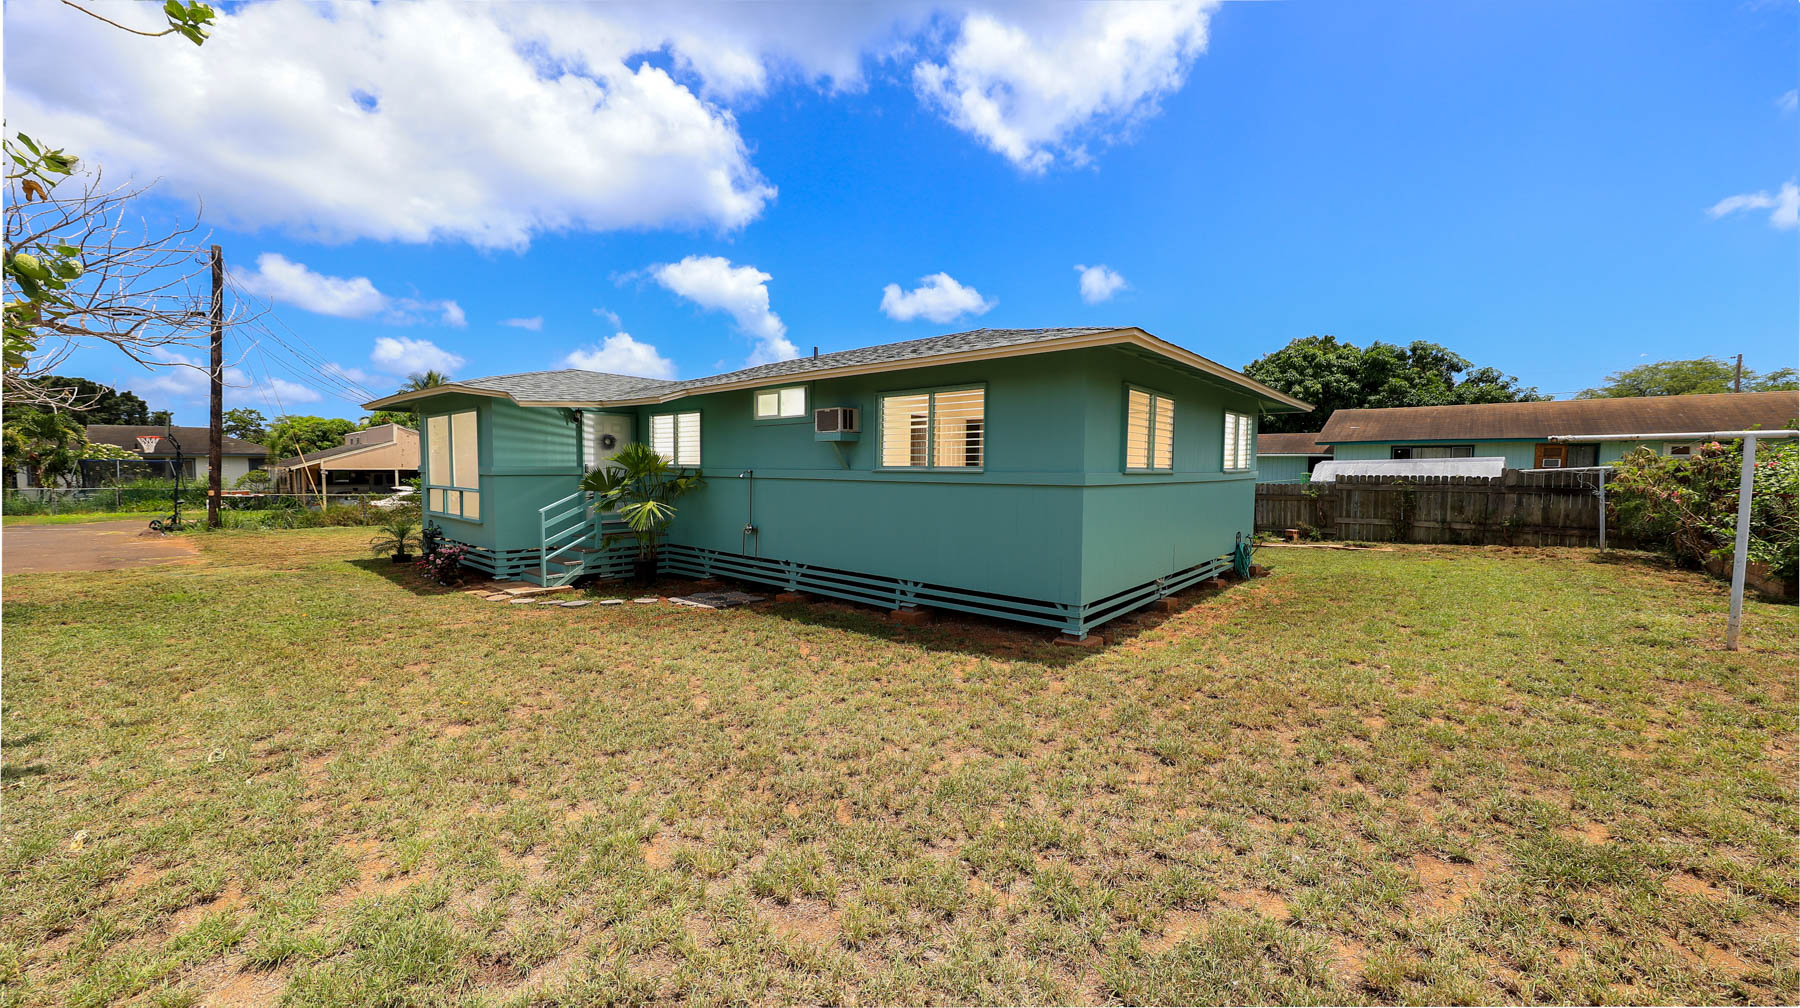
x,y
576,386
893,353
570,384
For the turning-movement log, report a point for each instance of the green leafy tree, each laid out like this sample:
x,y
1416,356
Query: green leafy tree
x,y
1334,375
49,446
405,418
1688,377
244,424
425,380
1688,506
161,418
255,479
289,436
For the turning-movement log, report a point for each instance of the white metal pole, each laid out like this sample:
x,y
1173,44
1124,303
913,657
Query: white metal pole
x,y
1603,510
1741,553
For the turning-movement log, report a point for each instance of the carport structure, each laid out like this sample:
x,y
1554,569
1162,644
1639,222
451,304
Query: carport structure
x,y
369,461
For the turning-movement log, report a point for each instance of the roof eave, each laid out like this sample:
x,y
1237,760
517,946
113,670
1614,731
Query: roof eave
x,y
413,395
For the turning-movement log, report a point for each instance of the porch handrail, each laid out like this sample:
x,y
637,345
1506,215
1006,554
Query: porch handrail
x,y
562,538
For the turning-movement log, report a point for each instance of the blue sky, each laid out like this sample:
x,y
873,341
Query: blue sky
x,y
1537,186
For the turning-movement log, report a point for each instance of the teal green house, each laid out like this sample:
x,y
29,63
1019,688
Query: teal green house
x,y
1060,477
1519,432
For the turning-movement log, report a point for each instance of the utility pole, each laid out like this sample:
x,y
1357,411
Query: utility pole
x,y
1737,380
215,435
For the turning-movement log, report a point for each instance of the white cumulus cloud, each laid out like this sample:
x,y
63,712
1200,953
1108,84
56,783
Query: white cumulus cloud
x,y
399,355
1099,283
353,120
712,282
1783,205
534,324
278,278
356,120
938,298
1041,83
620,354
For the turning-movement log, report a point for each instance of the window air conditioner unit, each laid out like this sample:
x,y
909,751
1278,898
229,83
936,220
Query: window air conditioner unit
x,y
838,423
836,420
1552,463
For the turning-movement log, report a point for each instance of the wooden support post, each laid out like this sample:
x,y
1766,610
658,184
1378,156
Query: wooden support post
x,y
215,433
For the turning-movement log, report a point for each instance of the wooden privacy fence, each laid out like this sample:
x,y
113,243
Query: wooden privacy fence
x,y
1518,508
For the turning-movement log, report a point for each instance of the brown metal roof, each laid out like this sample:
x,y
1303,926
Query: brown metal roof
x,y
1531,420
1290,444
193,439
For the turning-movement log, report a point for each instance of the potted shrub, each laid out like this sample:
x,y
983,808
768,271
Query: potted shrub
x,y
641,486
394,538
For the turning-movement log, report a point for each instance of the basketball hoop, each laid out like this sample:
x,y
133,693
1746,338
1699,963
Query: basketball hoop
x,y
147,443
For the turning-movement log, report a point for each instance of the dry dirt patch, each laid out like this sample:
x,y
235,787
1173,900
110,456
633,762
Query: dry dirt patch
x,y
1445,884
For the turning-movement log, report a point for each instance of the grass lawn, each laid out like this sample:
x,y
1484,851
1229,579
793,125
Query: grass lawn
x,y
293,774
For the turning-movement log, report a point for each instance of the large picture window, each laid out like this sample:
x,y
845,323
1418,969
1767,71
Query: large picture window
x,y
452,466
1240,441
676,437
1149,431
934,430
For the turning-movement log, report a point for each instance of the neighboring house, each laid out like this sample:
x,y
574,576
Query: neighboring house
x,y
1055,476
239,457
1519,431
1288,458
374,460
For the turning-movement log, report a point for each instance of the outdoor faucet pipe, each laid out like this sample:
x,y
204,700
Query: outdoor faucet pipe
x,y
749,519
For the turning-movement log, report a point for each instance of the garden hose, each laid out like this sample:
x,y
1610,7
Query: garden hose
x,y
1240,557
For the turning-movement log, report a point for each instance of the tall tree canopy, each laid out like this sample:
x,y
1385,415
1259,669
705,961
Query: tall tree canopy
x,y
244,424
89,402
1334,375
1688,377
290,435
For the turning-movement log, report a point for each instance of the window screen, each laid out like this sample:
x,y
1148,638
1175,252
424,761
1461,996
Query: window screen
x,y
453,465
1240,441
1149,430
676,437
939,430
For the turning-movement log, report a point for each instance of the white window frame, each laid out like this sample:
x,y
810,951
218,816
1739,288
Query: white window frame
x,y
1239,453
931,428
458,493
1161,420
785,398
682,435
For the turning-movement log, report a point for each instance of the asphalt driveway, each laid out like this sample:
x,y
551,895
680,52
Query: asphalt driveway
x,y
97,546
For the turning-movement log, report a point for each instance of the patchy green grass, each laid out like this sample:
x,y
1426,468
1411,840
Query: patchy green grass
x,y
294,774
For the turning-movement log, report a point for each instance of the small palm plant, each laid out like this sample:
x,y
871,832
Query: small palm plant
x,y
641,486
394,538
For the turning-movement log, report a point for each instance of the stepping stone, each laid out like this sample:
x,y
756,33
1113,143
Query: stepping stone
x,y
644,601
549,601
612,601
576,604
520,601
498,597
